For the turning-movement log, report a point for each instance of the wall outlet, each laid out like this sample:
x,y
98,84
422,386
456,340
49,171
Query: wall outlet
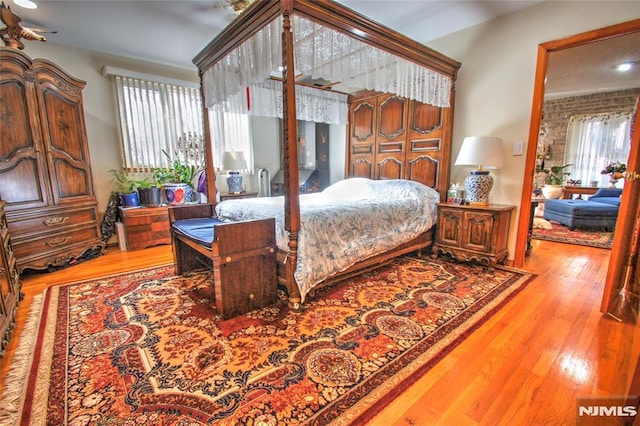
x,y
518,148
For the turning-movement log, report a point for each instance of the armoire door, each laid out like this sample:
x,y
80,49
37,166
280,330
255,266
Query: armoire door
x,y
23,175
64,138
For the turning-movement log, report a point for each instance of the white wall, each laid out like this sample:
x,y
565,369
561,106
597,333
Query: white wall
x,y
266,141
494,89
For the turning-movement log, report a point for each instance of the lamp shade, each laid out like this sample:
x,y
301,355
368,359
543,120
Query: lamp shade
x,y
481,151
233,160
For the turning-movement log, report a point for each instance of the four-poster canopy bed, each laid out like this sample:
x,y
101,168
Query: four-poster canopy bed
x,y
401,116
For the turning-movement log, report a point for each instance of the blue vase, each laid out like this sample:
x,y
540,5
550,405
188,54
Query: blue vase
x,y
234,181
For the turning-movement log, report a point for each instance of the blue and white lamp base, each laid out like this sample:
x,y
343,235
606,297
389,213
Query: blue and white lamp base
x,y
234,181
477,187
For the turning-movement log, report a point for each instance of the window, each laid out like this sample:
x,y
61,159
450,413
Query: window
x,y
231,131
156,117
593,141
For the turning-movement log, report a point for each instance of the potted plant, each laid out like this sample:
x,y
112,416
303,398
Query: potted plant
x,y
554,179
150,194
126,188
176,181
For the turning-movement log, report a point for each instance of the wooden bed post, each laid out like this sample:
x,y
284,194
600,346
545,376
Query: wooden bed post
x,y
290,153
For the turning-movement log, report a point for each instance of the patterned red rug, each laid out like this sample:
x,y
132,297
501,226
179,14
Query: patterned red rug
x,y
148,348
583,237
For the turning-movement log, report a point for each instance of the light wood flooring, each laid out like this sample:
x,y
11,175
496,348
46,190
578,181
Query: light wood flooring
x,y
527,365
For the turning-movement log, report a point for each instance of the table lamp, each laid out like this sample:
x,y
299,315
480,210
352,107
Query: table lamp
x,y
483,152
233,162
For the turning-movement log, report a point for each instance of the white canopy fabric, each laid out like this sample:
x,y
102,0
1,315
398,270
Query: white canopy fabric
x,y
265,100
322,52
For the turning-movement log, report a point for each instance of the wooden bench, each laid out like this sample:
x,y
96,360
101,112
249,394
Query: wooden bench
x,y
241,254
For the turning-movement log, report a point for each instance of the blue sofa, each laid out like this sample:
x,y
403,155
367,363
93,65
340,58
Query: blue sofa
x,y
599,211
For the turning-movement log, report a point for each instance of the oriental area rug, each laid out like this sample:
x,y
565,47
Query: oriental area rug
x,y
583,237
148,347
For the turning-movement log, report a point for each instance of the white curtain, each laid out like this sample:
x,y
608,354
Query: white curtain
x,y
322,53
593,141
230,131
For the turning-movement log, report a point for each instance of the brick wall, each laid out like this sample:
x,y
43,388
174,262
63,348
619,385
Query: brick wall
x,y
557,112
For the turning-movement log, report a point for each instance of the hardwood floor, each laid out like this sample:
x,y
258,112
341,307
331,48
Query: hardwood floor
x,y
527,365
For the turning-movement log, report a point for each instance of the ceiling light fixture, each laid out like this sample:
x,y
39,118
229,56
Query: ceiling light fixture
x,y
239,5
27,4
625,66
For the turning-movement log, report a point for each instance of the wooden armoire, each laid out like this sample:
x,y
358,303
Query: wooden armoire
x,y
45,170
391,137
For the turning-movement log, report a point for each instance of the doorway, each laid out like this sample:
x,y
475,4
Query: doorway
x,y
622,242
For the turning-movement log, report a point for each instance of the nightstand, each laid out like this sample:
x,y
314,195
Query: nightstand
x,y
473,233
233,196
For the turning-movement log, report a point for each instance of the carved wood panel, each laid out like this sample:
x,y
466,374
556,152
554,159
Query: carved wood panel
x,y
390,168
425,118
424,169
392,117
362,119
362,167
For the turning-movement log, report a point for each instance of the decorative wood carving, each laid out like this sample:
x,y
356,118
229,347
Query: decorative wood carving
x,y
362,118
362,168
425,118
424,169
392,117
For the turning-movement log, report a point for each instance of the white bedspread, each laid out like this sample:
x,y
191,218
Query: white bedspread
x,y
347,222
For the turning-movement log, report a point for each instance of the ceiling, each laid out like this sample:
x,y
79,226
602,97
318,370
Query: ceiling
x,y
173,32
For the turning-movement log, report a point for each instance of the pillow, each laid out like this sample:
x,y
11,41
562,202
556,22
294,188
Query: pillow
x,y
349,189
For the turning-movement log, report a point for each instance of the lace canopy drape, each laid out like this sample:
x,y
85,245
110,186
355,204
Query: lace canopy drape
x,y
320,52
265,100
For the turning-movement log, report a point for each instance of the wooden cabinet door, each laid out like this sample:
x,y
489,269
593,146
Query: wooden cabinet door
x,y
450,227
478,234
65,137
23,175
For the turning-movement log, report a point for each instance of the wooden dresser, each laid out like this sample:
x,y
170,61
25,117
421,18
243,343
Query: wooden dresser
x,y
45,169
474,233
9,283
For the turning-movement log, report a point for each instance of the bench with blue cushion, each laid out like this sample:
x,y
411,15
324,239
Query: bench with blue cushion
x,y
600,211
242,256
